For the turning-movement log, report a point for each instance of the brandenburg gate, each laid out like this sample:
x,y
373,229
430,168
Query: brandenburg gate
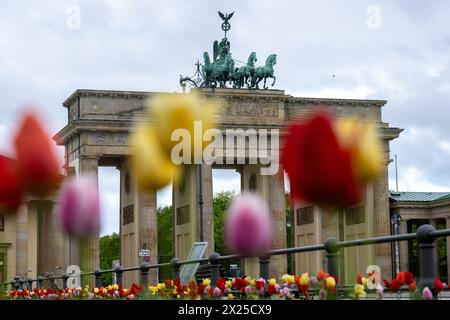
x,y
98,134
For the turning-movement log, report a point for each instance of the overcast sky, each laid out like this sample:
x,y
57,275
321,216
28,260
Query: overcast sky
x,y
393,50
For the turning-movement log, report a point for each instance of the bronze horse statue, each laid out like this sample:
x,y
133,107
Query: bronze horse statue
x,y
262,73
242,75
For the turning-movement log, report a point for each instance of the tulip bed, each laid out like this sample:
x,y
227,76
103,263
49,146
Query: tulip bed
x,y
292,287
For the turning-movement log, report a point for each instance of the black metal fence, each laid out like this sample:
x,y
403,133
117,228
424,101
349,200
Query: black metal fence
x,y
425,236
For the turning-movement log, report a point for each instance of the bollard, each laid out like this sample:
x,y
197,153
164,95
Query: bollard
x,y
98,277
332,252
264,263
175,268
65,277
118,271
427,257
40,282
144,267
215,268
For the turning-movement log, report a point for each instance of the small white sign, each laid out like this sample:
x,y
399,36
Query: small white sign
x,y
144,252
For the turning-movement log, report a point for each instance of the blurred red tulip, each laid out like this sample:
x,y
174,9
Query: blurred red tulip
x,y
10,192
37,164
319,169
438,285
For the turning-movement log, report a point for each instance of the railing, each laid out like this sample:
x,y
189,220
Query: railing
x,y
425,236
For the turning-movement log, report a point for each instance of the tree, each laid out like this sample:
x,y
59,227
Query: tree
x,y
109,251
221,202
165,231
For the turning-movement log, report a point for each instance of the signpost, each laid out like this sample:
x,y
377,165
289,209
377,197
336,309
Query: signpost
x,y
145,253
188,270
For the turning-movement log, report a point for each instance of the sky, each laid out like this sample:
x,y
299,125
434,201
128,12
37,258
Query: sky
x,y
393,50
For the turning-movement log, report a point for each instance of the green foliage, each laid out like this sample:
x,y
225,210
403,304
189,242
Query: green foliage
x,y
221,202
109,251
165,231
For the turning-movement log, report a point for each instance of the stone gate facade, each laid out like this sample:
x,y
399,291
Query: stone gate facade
x,y
98,134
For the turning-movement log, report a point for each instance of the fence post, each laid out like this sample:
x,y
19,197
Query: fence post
x,y
175,268
427,256
30,284
40,282
21,281
144,267
98,277
215,268
264,263
332,252
16,283
65,276
118,271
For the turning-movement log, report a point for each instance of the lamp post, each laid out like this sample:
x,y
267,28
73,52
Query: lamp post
x,y
396,219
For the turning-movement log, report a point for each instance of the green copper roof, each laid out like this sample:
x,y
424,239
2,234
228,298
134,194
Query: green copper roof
x,y
418,196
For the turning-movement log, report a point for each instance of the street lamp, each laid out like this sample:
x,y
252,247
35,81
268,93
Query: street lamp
x,y
396,220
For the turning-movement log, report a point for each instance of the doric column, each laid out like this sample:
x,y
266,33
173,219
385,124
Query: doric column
x,y
208,209
90,259
148,230
382,217
22,240
277,204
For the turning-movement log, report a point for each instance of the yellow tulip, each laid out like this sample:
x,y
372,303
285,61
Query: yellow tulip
x,y
285,278
360,139
161,286
96,290
229,284
364,281
179,111
105,291
206,282
359,290
153,169
272,282
115,287
230,296
304,279
330,282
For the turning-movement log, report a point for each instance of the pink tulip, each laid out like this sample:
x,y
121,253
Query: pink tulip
x,y
79,208
217,292
427,294
248,227
248,290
